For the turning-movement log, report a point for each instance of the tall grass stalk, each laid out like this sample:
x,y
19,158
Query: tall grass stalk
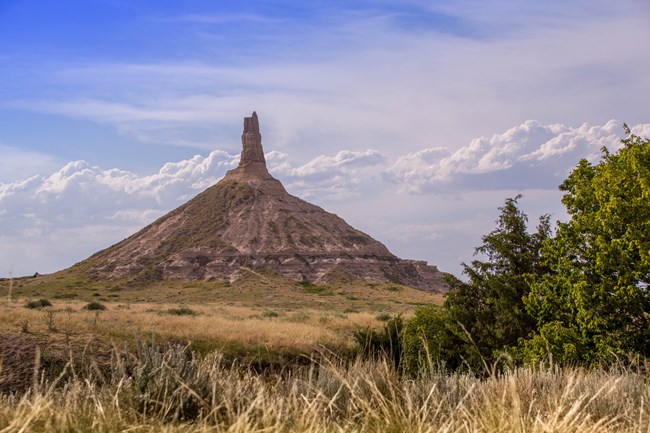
x,y
173,390
11,286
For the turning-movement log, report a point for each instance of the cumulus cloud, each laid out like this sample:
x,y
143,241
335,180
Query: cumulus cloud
x,y
530,155
80,193
334,177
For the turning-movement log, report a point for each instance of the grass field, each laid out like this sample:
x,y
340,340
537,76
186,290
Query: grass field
x,y
264,355
260,316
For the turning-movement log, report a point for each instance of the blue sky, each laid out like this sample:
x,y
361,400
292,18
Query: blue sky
x,y
413,120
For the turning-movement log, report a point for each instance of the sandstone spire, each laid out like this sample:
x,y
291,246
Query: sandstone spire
x,y
251,140
252,165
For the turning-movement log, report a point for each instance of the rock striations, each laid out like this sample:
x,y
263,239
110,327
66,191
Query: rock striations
x,y
249,220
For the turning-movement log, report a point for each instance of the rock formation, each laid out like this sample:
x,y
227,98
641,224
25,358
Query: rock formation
x,y
248,219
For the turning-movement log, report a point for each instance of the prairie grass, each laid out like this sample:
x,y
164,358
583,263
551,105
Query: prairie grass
x,y
173,390
211,326
253,289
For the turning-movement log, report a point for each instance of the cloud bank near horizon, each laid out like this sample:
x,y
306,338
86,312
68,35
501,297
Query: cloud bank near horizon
x,y
81,208
530,155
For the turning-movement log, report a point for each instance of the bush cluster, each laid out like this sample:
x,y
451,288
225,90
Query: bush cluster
x,y
38,304
181,311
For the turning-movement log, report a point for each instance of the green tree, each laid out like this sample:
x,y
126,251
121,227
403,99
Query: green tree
x,y
593,306
485,315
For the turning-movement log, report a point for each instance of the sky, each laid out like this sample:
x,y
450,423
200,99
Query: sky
x,y
413,120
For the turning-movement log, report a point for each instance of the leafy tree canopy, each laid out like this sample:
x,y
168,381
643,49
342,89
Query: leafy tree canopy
x,y
593,306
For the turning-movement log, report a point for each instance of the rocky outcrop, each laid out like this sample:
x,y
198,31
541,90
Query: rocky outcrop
x,y
252,155
249,220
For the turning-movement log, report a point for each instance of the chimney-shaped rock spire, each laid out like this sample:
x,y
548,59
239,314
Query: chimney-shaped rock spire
x,y
251,139
252,165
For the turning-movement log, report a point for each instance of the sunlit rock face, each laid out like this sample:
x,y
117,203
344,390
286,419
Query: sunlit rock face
x,y
249,220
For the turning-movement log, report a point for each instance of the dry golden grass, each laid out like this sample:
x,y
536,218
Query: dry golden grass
x,y
152,391
260,311
208,326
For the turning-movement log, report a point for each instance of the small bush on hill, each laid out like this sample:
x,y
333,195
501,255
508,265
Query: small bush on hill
x,y
315,289
182,311
95,306
299,317
38,304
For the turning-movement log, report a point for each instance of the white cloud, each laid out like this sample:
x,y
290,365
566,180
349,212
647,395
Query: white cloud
x,y
79,193
530,155
341,176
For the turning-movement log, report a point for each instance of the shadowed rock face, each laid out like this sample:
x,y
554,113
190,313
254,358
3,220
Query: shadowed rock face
x,y
249,219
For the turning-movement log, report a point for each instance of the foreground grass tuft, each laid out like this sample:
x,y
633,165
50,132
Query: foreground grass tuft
x,y
174,390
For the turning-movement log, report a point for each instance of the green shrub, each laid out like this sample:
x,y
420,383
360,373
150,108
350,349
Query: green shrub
x,y
38,304
432,339
95,306
386,343
315,289
182,311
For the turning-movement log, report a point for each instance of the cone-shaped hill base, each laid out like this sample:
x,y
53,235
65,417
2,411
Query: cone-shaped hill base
x,y
249,220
